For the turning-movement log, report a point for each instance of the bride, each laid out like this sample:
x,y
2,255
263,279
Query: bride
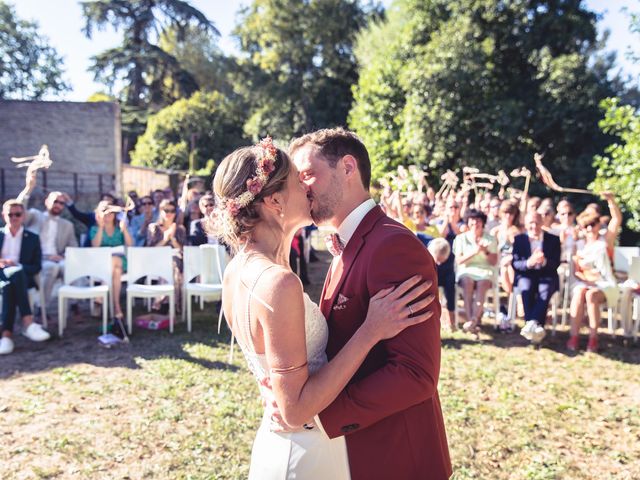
x,y
261,203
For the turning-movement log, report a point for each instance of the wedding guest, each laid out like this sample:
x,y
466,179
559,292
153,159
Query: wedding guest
x,y
547,215
167,232
476,256
140,223
612,230
596,282
536,257
110,231
20,261
197,231
440,250
493,215
566,228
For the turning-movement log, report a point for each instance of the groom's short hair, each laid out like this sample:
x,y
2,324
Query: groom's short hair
x,y
335,143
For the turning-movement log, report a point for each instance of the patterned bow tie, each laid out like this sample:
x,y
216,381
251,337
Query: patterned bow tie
x,y
334,244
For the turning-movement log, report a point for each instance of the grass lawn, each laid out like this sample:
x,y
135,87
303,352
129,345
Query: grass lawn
x,y
171,406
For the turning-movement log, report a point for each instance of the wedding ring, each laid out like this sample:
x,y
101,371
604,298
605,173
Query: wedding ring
x,y
410,310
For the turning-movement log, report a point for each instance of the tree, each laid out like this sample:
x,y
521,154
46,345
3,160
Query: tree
x,y
299,65
483,83
203,129
29,67
619,169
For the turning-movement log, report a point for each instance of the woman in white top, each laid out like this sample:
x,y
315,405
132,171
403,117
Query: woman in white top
x,y
476,258
260,204
596,282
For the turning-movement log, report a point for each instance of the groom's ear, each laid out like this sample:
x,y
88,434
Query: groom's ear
x,y
350,165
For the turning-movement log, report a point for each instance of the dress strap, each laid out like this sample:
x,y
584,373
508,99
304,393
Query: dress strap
x,y
246,325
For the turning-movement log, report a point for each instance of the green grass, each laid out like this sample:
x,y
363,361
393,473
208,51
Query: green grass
x,y
171,407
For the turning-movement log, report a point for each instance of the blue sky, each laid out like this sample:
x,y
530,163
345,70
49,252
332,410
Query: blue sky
x,y
61,21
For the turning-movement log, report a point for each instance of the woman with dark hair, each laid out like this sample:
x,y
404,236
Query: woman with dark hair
x,y
166,232
476,255
108,232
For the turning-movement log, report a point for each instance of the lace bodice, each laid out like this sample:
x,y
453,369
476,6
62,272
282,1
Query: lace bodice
x,y
316,334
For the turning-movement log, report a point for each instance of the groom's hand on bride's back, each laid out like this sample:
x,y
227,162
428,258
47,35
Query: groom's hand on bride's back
x,y
393,309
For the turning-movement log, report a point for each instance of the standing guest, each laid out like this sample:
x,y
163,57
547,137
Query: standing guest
x,y
536,258
20,261
566,228
140,223
167,232
56,234
596,282
440,250
108,232
197,231
547,215
476,256
493,217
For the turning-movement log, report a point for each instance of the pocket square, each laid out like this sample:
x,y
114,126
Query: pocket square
x,y
341,302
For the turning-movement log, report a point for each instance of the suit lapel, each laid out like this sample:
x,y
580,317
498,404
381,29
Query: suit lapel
x,y
334,281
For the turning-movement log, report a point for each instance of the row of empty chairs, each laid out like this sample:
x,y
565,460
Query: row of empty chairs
x,y
202,277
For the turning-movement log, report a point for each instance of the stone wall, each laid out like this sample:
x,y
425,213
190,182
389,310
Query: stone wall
x,y
84,144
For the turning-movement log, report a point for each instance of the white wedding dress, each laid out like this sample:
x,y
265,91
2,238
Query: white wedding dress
x,y
304,454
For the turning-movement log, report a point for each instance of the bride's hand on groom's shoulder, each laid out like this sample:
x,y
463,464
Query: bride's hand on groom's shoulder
x,y
393,309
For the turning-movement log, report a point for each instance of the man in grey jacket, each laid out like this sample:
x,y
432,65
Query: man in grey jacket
x,y
56,234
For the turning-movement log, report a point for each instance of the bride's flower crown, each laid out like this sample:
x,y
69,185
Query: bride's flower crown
x,y
228,208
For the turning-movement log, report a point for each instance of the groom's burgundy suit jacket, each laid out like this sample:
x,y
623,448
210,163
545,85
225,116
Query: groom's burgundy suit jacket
x,y
390,412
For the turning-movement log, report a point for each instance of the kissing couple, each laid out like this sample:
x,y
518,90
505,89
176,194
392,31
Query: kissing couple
x,y
350,386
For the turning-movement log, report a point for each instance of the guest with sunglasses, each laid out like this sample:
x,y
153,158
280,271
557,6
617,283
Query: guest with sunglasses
x,y
167,232
140,223
56,234
20,261
197,228
596,282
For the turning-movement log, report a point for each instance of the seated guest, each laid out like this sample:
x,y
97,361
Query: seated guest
x,y
493,217
20,261
612,229
440,250
566,229
167,232
596,282
140,223
536,258
197,229
191,214
108,232
476,256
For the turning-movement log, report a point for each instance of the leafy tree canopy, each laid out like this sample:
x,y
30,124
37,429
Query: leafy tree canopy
x,y
483,83
299,64
200,130
29,67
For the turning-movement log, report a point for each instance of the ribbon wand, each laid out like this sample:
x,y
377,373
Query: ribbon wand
x,y
547,179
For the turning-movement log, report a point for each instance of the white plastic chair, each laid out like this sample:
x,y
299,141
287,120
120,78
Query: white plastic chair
x,y
85,262
154,262
206,264
494,292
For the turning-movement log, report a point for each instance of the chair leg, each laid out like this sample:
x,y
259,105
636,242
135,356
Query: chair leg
x,y
43,308
201,302
105,313
554,313
129,313
187,297
61,315
220,318
231,349
172,311
636,318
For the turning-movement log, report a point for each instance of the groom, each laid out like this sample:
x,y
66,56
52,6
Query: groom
x,y
390,411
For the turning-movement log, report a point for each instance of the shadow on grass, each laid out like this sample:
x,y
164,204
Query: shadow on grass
x,y
80,345
614,348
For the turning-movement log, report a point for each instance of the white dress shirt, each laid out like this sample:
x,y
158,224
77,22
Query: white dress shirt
x,y
349,225
49,234
12,245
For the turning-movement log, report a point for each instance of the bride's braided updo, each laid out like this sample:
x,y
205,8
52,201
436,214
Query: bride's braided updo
x,y
243,179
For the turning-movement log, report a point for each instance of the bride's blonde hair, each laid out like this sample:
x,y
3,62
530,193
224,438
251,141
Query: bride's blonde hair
x,y
230,182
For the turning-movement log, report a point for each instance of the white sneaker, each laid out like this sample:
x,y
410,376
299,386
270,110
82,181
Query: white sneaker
x,y
538,334
6,346
527,330
36,333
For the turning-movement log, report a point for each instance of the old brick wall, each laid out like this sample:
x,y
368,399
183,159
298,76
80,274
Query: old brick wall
x,y
84,144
